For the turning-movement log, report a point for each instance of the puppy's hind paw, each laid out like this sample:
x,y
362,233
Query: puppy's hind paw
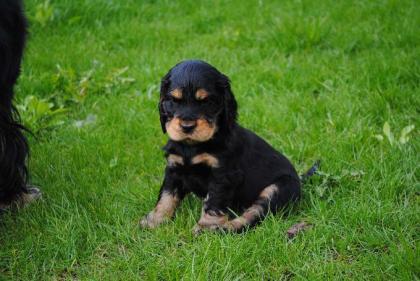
x,y
32,193
29,195
200,229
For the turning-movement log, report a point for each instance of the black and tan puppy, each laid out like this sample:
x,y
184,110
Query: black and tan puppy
x,y
13,145
239,175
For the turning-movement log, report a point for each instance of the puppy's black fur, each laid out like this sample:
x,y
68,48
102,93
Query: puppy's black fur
x,y
240,175
13,144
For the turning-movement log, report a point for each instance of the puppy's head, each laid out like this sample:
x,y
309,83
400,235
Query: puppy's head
x,y
195,102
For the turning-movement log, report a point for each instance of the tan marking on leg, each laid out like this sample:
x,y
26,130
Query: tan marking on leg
x,y
174,160
235,224
206,158
252,213
201,94
269,191
176,93
163,211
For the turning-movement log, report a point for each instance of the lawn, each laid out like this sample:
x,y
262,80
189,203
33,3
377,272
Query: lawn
x,y
331,80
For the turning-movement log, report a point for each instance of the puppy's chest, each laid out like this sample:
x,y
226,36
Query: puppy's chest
x,y
195,170
192,161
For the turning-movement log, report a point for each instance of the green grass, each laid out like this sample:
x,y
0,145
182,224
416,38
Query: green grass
x,y
317,79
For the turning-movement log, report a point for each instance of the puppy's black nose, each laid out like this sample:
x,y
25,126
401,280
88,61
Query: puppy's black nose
x,y
188,126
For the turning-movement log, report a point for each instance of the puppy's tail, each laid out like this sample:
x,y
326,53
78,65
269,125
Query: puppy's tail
x,y
312,171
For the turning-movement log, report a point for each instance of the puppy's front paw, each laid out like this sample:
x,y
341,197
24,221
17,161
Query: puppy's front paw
x,y
151,220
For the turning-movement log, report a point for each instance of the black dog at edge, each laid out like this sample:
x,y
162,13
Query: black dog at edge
x,y
239,175
13,144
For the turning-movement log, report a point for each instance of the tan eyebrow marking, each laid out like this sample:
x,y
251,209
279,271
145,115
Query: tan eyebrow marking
x,y
206,158
177,94
201,94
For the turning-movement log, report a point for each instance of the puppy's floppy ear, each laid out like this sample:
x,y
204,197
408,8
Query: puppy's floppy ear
x,y
229,101
164,87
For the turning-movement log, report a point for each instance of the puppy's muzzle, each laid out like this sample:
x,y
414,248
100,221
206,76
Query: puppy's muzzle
x,y
188,126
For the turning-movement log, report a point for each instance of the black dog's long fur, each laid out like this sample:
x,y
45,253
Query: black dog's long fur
x,y
237,172
13,144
